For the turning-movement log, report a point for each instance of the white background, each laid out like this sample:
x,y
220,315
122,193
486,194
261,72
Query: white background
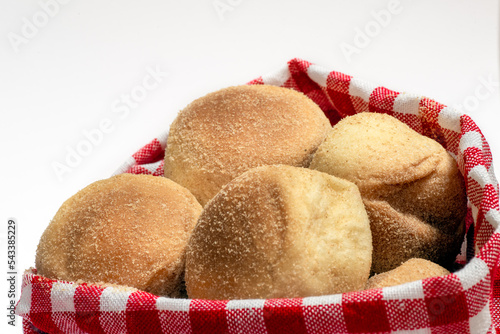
x,y
68,75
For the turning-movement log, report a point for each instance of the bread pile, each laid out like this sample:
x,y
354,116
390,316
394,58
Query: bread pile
x,y
262,198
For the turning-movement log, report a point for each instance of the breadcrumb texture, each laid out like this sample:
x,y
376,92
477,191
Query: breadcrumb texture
x,y
129,230
411,187
223,134
280,231
412,270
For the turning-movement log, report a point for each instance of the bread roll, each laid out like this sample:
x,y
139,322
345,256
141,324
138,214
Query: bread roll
x,y
411,187
411,270
129,229
280,231
221,135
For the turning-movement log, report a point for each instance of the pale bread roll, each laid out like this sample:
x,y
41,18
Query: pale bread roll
x,y
129,229
412,189
280,231
223,134
412,270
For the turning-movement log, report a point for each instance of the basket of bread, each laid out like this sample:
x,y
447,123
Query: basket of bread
x,y
306,201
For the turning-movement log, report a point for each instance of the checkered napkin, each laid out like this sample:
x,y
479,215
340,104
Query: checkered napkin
x,y
466,301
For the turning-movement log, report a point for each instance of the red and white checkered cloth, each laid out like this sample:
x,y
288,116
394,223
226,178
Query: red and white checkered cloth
x,y
466,301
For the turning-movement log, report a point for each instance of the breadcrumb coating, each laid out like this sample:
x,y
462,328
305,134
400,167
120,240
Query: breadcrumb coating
x,y
223,134
412,270
280,231
129,229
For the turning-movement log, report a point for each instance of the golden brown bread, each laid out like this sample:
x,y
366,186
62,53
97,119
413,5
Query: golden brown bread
x,y
221,135
412,189
280,231
412,270
129,229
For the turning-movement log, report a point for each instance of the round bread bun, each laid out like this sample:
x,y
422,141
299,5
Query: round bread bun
x,y
411,187
280,231
223,134
411,270
129,230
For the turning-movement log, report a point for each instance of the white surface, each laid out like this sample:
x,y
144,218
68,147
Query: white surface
x,y
70,76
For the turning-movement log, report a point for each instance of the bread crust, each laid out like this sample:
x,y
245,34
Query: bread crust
x,y
412,270
280,231
129,229
223,134
412,189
